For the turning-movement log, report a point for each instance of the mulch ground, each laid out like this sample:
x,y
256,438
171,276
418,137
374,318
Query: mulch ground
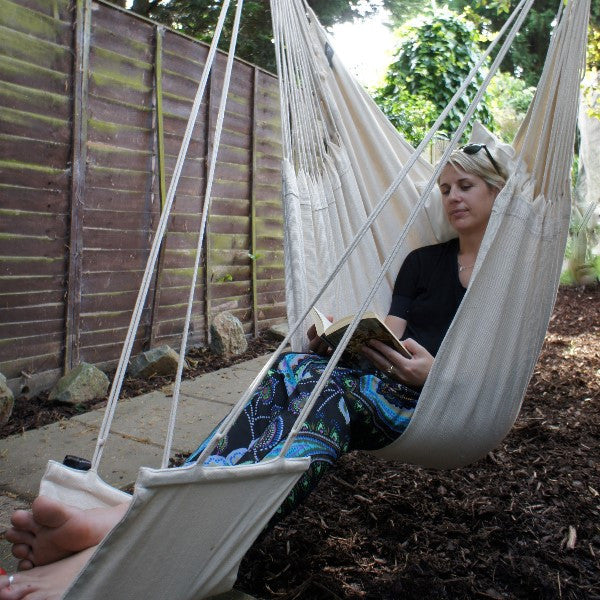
x,y
522,523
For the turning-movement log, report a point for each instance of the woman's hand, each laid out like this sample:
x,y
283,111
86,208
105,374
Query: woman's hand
x,y
315,343
413,371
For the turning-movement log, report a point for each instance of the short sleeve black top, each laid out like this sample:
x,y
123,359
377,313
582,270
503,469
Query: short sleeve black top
x,y
428,292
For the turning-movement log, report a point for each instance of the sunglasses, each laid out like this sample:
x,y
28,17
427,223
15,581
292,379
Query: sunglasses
x,y
475,148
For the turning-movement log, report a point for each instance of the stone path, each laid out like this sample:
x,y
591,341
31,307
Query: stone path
x,y
136,439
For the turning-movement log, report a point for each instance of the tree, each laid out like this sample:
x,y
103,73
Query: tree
x,y
198,18
434,56
528,52
508,99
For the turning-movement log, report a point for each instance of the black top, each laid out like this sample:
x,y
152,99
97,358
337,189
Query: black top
x,y
428,292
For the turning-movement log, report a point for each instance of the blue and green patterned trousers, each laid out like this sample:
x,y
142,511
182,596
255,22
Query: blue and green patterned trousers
x,y
357,410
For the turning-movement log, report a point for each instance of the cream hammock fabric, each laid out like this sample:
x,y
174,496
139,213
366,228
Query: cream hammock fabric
x,y
474,391
187,529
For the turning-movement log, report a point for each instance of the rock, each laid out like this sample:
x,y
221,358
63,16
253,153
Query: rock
x,y
158,361
84,382
227,335
280,330
7,401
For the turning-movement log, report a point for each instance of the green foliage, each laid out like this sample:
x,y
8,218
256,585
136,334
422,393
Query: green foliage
x,y
198,18
403,10
593,49
410,114
527,54
591,83
508,100
434,56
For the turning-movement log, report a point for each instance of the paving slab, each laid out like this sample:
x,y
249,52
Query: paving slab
x,y
225,386
254,365
145,419
24,457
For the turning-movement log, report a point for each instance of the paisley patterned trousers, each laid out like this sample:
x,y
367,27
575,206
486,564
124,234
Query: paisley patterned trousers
x,y
357,410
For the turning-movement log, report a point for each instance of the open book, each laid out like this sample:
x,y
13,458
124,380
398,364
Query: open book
x,y
371,326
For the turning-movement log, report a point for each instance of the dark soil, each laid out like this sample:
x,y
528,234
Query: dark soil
x,y
523,523
32,413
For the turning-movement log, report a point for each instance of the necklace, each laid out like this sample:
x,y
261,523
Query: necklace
x,y
462,268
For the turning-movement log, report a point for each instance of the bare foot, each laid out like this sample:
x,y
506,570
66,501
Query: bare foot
x,y
53,530
44,583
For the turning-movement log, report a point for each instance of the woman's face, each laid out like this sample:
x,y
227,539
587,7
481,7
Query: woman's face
x,y
467,200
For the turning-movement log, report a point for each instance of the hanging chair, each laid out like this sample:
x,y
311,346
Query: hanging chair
x,y
340,152
348,150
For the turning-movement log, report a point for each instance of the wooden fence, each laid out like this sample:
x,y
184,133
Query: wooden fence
x,y
93,105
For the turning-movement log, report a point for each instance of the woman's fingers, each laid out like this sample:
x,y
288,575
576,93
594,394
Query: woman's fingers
x,y
387,353
413,371
380,360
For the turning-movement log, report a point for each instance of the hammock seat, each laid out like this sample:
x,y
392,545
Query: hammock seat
x,y
211,515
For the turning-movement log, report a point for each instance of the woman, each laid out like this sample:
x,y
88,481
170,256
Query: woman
x,y
356,410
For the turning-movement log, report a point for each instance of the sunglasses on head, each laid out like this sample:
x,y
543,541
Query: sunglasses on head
x,y
475,148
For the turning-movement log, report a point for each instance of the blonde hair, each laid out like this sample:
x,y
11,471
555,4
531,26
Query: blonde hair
x,y
478,164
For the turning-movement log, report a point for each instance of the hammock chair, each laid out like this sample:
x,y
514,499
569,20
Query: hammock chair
x,y
344,166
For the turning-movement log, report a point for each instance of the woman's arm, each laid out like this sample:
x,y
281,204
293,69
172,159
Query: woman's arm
x,y
396,324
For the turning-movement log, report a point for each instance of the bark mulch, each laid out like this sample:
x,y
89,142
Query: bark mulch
x,y
522,523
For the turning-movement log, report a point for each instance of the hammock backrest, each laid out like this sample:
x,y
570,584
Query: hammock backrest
x,y
475,389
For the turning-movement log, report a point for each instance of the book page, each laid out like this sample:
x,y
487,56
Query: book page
x,y
320,320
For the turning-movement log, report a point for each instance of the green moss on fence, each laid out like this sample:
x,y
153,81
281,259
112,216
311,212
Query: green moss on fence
x,y
21,117
31,22
106,79
15,164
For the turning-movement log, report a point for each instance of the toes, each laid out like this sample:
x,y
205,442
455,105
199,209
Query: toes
x,y
18,536
23,520
21,551
16,591
25,565
48,512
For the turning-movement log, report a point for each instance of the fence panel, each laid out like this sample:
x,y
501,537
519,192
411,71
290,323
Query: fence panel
x,y
35,140
94,102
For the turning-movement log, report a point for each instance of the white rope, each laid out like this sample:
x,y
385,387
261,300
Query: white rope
x,y
300,36
292,99
519,14
283,98
205,210
299,89
153,256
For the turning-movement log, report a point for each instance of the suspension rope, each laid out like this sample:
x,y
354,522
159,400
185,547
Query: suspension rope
x,y
205,210
154,251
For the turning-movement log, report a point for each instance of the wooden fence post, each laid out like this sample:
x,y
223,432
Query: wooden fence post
x,y
160,163
83,17
211,120
253,251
